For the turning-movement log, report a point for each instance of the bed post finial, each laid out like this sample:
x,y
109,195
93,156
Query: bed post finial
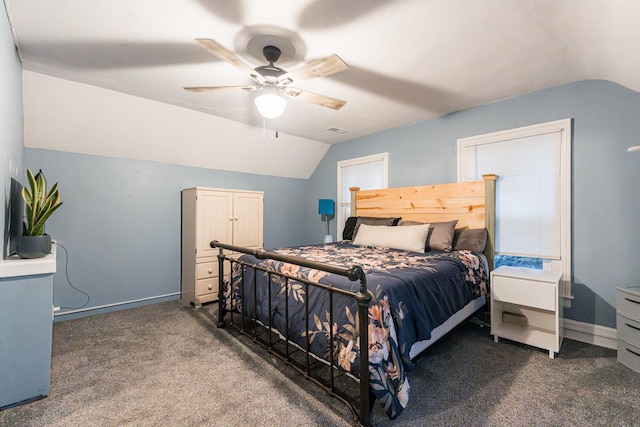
x,y
490,215
354,192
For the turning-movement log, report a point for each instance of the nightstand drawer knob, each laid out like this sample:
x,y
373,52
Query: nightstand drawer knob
x,y
210,270
210,287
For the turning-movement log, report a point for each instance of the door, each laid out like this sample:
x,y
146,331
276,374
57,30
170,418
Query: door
x,y
247,219
214,220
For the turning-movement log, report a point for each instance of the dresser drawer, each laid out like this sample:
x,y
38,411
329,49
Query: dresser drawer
x,y
628,329
524,292
629,355
628,302
207,270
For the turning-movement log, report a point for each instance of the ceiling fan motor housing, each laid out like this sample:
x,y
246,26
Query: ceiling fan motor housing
x,y
271,72
271,53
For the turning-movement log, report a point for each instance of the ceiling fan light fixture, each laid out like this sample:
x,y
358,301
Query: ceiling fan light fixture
x,y
270,105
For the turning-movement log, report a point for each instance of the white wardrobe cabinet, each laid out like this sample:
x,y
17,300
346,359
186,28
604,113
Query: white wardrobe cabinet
x,y
229,216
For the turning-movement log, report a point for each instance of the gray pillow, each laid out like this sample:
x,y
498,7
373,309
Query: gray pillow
x,y
471,239
369,220
441,236
403,222
456,236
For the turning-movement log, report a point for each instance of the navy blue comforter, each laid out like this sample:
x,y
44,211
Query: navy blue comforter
x,y
412,294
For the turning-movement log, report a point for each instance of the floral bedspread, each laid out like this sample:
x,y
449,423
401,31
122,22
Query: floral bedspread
x,y
412,294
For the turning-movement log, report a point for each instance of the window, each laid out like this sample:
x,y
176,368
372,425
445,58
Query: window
x,y
533,197
368,173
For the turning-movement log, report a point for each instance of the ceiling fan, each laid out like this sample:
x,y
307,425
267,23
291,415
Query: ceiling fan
x,y
275,78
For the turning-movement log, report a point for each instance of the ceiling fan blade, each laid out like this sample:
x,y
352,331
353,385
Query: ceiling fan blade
x,y
225,54
317,68
314,98
214,88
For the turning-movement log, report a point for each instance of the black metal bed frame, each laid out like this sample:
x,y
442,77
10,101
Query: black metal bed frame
x,y
308,364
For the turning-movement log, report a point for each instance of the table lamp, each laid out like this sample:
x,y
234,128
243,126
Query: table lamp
x,y
326,208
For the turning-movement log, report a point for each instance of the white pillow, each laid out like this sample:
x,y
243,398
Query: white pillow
x,y
409,238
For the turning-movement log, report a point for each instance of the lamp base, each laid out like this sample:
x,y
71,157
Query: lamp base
x,y
328,238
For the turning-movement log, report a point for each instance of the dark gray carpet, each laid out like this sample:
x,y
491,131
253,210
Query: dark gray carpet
x,y
167,364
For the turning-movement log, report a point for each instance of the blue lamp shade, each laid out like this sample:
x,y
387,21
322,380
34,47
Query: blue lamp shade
x,y
326,207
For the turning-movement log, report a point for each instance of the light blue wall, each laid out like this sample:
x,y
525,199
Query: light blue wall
x,y
120,222
11,135
606,198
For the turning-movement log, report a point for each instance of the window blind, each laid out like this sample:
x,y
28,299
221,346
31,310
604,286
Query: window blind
x,y
528,196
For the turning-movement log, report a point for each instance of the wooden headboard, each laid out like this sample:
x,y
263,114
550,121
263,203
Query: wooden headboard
x,y
471,203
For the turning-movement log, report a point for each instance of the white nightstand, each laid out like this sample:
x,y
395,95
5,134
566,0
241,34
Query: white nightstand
x,y
628,326
525,307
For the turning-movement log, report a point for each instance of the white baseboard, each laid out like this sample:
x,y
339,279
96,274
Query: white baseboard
x,y
106,306
589,333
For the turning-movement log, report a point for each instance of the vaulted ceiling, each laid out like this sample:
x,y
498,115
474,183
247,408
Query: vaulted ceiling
x,y
409,60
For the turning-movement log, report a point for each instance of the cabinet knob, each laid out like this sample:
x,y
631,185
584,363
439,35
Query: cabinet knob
x,y
235,219
210,270
230,218
210,287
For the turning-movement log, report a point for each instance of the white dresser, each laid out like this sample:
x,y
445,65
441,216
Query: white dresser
x,y
525,307
628,325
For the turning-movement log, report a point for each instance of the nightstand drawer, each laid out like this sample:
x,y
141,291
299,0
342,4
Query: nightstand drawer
x,y
207,270
628,329
629,355
628,302
524,292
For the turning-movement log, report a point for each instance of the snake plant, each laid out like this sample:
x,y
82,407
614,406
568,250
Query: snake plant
x,y
40,204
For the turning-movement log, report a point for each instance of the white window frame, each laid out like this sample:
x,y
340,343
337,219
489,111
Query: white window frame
x,y
564,126
383,157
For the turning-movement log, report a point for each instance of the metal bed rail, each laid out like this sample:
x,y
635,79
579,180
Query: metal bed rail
x,y
257,331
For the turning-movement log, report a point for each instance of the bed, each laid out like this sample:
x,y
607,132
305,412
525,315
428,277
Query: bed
x,y
317,306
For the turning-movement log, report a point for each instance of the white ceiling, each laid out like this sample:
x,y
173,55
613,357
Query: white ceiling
x,y
410,60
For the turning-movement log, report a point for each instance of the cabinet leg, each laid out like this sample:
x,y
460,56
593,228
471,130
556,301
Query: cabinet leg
x,y
495,338
552,354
